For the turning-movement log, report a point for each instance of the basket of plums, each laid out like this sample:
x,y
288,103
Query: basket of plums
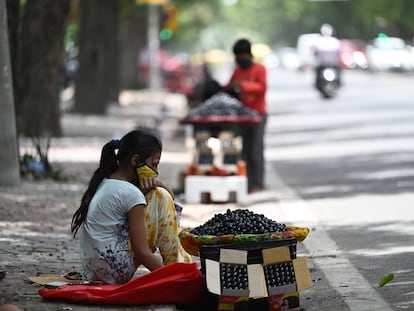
x,y
237,226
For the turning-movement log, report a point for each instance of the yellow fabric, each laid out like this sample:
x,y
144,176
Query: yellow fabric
x,y
300,233
145,171
162,227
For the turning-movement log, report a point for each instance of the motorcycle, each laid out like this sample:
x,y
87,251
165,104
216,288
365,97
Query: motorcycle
x,y
328,81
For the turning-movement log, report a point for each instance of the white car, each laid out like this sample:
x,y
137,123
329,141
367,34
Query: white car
x,y
389,54
305,50
289,58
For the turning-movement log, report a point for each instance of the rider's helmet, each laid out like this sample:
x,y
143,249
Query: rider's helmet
x,y
327,30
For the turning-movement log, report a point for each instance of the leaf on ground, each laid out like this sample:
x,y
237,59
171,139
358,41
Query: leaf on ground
x,y
386,279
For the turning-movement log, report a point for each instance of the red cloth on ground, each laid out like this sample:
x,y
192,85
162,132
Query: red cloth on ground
x,y
180,283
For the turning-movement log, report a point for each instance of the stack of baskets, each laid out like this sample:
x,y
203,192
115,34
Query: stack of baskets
x,y
271,256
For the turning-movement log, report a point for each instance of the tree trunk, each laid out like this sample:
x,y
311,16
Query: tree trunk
x,y
13,10
96,83
9,158
40,65
133,39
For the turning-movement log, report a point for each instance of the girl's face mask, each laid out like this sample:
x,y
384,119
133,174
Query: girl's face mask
x,y
145,171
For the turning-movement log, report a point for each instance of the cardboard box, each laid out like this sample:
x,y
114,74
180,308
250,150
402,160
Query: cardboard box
x,y
267,270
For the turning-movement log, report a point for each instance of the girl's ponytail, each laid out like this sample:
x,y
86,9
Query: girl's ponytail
x,y
107,165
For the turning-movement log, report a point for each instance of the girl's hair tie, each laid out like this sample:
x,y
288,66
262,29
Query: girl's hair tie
x,y
115,143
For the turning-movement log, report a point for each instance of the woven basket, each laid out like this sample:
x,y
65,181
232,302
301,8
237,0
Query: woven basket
x,y
192,243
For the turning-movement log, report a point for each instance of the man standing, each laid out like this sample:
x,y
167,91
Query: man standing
x,y
248,83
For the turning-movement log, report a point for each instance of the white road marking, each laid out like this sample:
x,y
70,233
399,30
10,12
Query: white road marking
x,y
354,289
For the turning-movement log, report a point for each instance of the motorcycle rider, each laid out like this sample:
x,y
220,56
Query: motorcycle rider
x,y
327,52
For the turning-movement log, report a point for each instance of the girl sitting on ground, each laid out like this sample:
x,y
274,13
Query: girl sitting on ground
x,y
127,213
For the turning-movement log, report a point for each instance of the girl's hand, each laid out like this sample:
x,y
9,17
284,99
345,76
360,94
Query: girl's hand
x,y
150,183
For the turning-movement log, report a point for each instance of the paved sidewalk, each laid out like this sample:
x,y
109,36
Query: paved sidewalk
x,y
35,217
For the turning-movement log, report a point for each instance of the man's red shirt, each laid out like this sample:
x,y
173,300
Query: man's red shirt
x,y
253,85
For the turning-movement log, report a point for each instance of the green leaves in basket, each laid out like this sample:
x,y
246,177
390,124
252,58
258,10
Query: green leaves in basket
x,y
386,279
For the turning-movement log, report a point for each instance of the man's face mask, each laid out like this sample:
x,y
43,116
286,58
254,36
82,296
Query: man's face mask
x,y
244,62
145,171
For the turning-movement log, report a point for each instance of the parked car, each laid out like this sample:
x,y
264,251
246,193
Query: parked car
x,y
305,50
289,58
353,54
389,54
271,61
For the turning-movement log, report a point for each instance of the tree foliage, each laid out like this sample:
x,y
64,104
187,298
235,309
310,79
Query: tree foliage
x,y
279,22
395,17
194,17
